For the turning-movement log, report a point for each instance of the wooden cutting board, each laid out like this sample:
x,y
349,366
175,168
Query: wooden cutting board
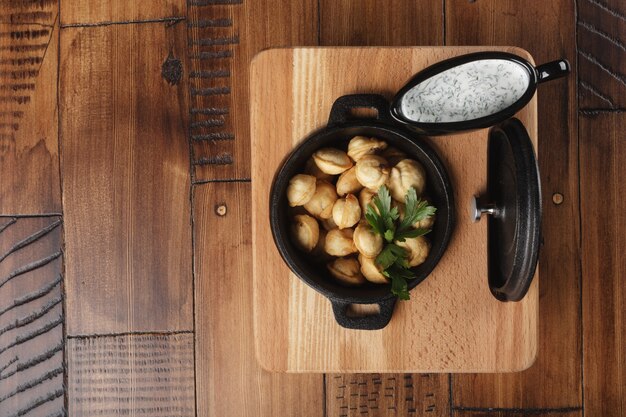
x,y
452,322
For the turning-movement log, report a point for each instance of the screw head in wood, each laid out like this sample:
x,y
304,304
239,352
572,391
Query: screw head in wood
x,y
557,198
221,209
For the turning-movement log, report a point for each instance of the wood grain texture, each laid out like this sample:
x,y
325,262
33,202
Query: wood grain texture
x,y
398,22
125,180
410,395
603,186
440,329
565,412
602,54
29,166
223,38
554,380
31,317
140,375
87,12
229,380
41,12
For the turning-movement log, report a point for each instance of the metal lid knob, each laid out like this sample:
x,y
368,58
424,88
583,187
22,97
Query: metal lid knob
x,y
479,207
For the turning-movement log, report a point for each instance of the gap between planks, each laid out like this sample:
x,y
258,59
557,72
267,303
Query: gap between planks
x,y
121,334
170,20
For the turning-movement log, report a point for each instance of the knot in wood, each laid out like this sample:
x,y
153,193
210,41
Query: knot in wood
x,y
172,69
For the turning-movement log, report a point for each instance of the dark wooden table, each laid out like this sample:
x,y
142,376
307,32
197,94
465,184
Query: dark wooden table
x,y
125,208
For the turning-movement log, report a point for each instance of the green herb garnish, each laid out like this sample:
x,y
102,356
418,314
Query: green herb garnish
x,y
384,220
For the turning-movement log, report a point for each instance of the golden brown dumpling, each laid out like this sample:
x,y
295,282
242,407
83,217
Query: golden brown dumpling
x,y
328,224
347,271
418,249
321,204
406,174
372,171
339,242
347,183
332,161
300,190
346,211
367,241
365,198
305,232
311,168
360,146
371,271
318,251
393,155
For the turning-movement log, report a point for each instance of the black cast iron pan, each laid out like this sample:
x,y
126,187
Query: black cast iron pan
x,y
340,129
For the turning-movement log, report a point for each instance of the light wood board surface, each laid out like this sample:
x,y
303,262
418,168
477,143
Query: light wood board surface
x,y
441,328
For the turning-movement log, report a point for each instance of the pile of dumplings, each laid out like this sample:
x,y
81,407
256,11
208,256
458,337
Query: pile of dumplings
x,y
329,202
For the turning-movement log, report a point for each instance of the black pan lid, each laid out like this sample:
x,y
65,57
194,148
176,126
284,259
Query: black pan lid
x,y
514,201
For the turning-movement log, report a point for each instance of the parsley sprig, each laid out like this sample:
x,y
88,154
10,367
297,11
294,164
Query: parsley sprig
x,y
385,220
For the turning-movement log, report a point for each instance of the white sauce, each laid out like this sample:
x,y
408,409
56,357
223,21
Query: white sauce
x,y
466,92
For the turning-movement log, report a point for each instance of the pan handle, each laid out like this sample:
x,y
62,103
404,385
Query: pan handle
x,y
369,322
341,111
551,70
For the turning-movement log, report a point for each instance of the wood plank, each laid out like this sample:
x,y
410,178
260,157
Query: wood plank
x,y
229,380
411,395
223,38
41,12
603,160
29,165
141,374
125,180
602,53
554,380
31,317
401,22
555,412
86,12
440,329
367,22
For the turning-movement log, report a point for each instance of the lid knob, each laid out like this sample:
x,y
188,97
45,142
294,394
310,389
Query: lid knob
x,y
480,206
